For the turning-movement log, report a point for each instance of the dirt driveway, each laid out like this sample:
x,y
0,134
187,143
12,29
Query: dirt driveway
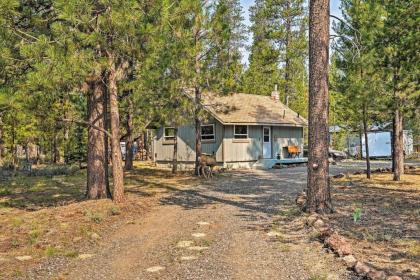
x,y
226,229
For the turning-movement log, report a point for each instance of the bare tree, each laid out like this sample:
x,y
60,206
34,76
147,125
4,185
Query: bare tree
x,y
318,188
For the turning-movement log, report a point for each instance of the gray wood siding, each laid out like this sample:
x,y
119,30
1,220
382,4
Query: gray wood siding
x,y
243,150
285,136
225,147
186,144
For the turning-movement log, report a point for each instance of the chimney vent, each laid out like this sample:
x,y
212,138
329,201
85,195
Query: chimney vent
x,y
275,94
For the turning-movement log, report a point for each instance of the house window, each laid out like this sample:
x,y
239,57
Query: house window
x,y
207,132
169,133
240,132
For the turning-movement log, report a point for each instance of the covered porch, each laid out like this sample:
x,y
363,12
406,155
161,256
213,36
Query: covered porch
x,y
269,163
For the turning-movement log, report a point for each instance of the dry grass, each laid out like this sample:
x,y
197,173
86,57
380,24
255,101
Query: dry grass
x,y
387,234
47,216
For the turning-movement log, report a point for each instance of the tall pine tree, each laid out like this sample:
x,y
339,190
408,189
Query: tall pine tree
x,y
227,38
279,51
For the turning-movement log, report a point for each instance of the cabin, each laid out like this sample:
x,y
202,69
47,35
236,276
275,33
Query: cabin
x,y
240,131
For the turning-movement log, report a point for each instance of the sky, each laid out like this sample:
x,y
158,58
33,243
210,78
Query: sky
x,y
334,6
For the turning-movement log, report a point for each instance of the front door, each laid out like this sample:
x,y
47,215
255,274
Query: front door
x,y
267,142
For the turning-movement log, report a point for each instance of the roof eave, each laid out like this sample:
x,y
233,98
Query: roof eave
x,y
265,124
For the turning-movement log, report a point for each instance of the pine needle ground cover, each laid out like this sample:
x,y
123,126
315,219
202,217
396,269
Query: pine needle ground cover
x,y
382,220
44,217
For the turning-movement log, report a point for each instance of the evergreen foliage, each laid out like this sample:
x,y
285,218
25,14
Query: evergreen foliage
x,y
279,51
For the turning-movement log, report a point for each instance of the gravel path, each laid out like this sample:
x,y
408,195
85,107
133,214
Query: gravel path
x,y
225,229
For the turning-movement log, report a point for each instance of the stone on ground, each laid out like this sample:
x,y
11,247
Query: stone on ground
x,y
349,260
85,256
76,239
361,268
273,233
188,258
198,234
184,244
319,224
311,219
201,223
338,244
376,275
23,258
197,248
94,235
155,268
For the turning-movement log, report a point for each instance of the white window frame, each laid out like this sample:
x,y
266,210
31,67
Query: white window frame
x,y
166,137
240,138
214,132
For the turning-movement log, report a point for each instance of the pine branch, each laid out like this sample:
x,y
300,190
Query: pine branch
x,y
87,124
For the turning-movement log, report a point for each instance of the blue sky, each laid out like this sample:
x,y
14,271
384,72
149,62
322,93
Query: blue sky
x,y
334,6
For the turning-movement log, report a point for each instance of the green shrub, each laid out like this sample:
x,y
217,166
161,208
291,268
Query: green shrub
x,y
114,210
72,254
15,243
94,217
357,214
16,222
51,251
317,277
33,236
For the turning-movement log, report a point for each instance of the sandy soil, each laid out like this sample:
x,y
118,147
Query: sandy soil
x,y
387,235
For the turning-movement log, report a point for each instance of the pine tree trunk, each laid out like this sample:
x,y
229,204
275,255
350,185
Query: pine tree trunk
x,y
146,143
38,154
26,147
365,130
287,59
66,145
129,139
175,154
197,92
398,146
393,144
318,189
13,147
106,140
1,141
96,175
117,168
55,153
360,154
197,130
66,138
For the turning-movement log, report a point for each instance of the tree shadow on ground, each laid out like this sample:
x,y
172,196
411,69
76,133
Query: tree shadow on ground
x,y
263,194
260,196
36,192
33,193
